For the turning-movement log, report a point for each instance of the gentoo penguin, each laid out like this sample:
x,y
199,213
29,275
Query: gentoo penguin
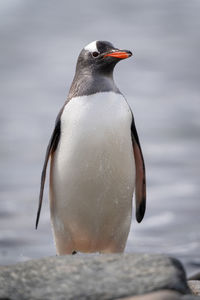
x,y
96,160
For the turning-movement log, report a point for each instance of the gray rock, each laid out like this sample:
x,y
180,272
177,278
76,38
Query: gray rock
x,y
91,277
195,276
190,297
159,295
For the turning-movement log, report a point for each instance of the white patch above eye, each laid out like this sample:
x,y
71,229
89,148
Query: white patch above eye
x,y
92,47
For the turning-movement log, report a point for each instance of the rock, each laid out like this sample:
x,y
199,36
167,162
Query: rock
x,y
194,285
163,295
190,297
91,277
159,295
195,277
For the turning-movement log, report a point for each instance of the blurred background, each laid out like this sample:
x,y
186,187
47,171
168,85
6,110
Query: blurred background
x,y
40,42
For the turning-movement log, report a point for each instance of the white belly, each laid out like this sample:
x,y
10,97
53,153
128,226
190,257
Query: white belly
x,y
93,174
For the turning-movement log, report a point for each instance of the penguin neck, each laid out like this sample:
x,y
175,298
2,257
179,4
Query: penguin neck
x,y
86,83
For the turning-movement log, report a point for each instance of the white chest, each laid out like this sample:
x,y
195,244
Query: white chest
x,y
95,117
95,138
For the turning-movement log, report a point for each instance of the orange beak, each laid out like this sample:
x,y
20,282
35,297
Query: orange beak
x,y
119,54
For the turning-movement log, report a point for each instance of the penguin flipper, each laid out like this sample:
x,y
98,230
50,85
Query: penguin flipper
x,y
50,149
140,186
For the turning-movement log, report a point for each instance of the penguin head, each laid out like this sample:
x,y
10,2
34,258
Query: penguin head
x,y
100,57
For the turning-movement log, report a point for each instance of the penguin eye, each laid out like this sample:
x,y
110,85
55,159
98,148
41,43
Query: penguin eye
x,y
95,54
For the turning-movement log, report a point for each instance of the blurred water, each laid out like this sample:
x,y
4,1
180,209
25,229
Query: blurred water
x,y
40,42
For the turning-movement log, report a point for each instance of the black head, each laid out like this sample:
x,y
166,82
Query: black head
x,y
100,57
